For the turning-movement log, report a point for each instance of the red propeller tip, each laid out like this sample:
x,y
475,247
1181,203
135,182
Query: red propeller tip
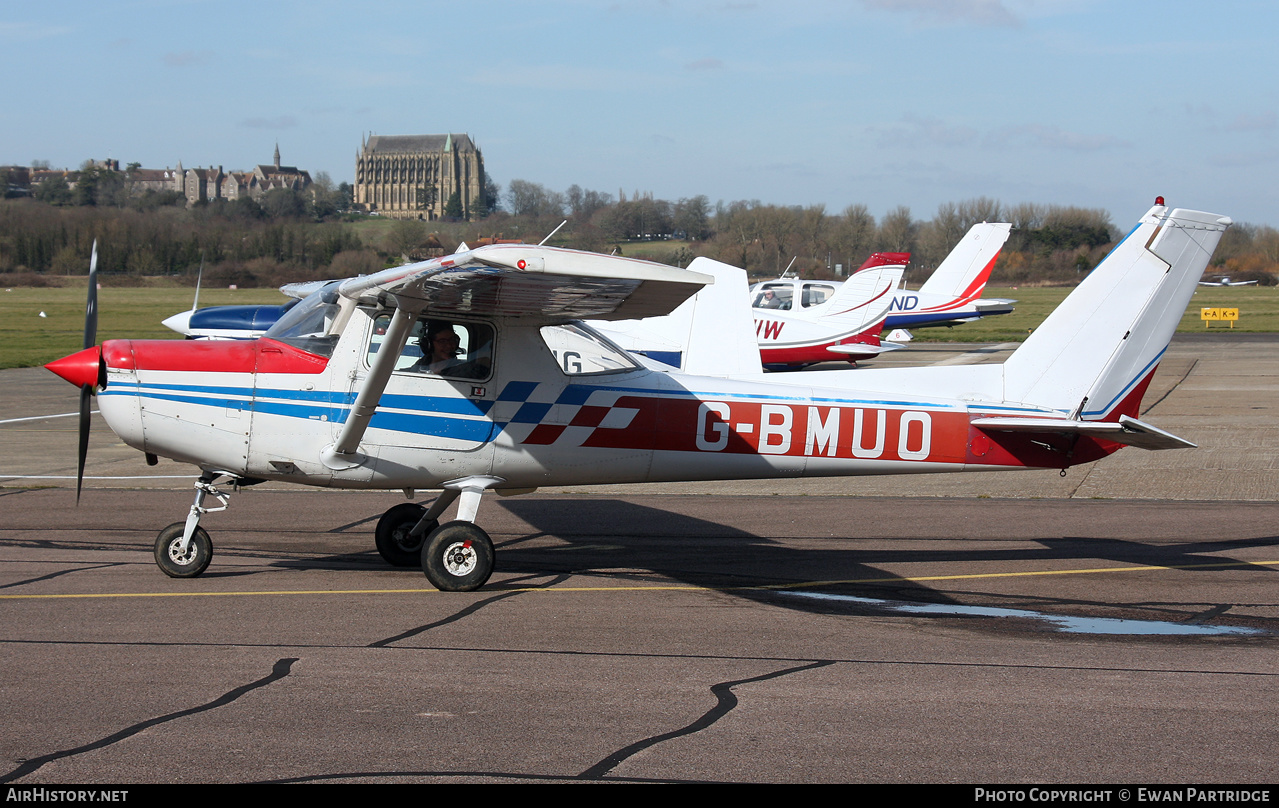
x,y
79,368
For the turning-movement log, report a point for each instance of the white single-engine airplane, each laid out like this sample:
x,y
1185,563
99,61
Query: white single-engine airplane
x,y
1225,281
951,295
509,392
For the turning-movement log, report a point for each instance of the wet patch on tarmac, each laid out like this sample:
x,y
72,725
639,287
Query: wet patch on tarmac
x,y
1065,623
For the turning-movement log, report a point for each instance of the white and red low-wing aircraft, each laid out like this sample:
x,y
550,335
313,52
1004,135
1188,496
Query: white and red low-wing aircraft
x,y
951,295
847,328
843,324
509,392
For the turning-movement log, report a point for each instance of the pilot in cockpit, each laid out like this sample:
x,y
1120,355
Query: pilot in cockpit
x,y
441,353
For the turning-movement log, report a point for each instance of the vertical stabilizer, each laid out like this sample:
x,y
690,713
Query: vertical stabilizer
x,y
963,273
711,333
721,338
1106,338
863,300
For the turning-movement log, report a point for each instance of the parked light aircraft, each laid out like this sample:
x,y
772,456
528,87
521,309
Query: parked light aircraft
x,y
236,322
845,325
951,295
227,322
1225,281
524,395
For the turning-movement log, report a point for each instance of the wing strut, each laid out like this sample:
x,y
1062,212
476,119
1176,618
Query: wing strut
x,y
342,454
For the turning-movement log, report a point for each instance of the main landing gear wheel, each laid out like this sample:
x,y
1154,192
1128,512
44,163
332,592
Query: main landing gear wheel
x,y
393,539
458,557
176,564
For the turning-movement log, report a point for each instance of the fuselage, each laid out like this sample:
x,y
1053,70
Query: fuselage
x,y
543,413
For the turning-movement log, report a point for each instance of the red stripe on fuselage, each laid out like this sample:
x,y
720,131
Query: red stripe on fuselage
x,y
793,430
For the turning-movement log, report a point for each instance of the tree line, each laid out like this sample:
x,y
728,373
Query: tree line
x,y
293,236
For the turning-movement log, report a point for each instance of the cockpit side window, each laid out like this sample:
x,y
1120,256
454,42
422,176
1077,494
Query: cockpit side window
x,y
440,347
816,294
773,296
581,351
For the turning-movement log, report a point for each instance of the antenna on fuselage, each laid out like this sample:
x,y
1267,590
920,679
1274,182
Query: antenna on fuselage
x,y
553,232
788,266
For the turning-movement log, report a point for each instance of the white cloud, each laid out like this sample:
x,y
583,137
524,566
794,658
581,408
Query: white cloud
x,y
186,58
977,12
28,31
705,64
278,122
1050,137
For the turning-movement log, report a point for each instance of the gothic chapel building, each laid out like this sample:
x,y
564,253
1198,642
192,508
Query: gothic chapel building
x,y
415,176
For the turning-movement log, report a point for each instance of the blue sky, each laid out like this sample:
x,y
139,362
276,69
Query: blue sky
x,y
875,102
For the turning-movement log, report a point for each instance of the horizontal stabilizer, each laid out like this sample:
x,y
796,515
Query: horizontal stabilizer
x,y
1128,431
994,305
861,349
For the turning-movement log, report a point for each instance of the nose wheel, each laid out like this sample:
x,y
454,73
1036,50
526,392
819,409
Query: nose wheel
x,y
458,557
179,562
183,549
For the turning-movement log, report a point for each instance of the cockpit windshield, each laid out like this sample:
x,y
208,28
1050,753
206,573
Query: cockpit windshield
x,y
306,325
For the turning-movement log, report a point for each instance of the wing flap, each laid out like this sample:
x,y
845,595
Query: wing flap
x,y
862,348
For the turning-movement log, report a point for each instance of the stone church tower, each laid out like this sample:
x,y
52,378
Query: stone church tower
x,y
415,176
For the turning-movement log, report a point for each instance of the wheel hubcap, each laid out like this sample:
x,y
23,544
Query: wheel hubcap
x,y
179,557
460,558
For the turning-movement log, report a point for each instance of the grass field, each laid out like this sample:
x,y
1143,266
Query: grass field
x,y
28,340
1258,312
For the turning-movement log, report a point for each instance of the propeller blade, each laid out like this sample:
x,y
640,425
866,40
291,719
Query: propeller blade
x,y
91,307
86,392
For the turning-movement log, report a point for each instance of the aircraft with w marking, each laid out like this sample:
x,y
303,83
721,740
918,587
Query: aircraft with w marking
x,y
800,322
505,389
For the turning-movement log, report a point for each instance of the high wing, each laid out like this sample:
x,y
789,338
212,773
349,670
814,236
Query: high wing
x,y
499,280
303,289
519,280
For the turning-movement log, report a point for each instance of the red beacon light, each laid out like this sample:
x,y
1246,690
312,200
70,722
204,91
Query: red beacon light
x,y
522,264
1159,200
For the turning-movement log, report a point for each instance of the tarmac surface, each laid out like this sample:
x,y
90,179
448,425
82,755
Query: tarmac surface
x,y
1117,625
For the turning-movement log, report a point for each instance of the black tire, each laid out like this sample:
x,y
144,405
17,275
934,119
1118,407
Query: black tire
x,y
458,557
199,552
392,535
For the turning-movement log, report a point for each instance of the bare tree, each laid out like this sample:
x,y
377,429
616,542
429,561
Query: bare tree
x,y
898,231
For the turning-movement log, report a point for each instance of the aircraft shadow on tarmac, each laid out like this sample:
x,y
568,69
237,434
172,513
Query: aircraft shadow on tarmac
x,y
703,553
629,542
